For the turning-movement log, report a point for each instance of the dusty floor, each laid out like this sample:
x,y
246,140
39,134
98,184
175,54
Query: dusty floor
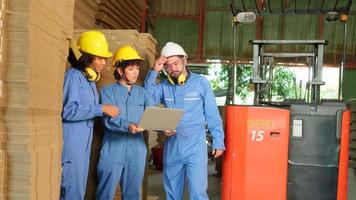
x,y
155,187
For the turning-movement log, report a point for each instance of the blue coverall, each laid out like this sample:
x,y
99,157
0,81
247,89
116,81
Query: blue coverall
x,y
80,106
123,154
185,153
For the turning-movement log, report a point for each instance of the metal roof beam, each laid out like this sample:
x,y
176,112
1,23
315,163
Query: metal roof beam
x,y
269,7
336,2
348,6
257,7
243,5
282,5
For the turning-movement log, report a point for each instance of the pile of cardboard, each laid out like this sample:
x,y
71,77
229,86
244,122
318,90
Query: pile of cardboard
x,y
84,15
2,174
123,14
36,48
3,7
147,44
109,14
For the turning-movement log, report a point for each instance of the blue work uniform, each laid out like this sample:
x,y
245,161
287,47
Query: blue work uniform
x,y
123,154
80,106
185,153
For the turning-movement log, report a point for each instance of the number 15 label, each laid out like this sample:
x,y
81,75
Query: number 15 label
x,y
257,136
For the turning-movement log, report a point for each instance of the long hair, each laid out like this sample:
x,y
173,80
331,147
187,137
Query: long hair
x,y
73,61
84,61
123,65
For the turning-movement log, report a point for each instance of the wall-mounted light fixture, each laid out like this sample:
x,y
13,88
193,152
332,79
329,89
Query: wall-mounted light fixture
x,y
245,17
332,16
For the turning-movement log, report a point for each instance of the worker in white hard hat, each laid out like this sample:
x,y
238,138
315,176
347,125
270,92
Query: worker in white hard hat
x,y
185,150
81,105
123,152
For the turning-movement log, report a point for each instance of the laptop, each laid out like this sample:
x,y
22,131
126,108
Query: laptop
x,y
160,119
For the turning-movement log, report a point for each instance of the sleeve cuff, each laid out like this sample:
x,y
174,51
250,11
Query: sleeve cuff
x,y
126,126
218,145
98,109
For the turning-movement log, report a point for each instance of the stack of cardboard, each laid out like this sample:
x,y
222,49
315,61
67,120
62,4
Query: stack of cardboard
x,y
3,8
36,38
84,15
2,174
69,17
123,14
146,47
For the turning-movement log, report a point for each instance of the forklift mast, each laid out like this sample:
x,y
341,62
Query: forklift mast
x,y
263,62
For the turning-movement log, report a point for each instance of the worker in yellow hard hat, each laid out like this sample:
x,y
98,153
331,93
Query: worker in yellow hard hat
x,y
123,154
80,106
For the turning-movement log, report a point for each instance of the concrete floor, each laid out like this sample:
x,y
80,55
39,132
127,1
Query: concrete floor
x,y
155,187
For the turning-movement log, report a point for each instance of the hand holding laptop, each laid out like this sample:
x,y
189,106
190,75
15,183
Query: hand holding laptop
x,y
169,133
133,128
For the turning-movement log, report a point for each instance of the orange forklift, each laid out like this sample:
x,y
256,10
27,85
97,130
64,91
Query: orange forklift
x,y
296,149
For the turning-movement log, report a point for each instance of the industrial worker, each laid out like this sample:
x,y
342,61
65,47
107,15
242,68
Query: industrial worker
x,y
80,107
123,154
185,150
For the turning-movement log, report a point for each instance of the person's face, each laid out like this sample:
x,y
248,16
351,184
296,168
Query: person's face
x,y
98,64
175,66
131,72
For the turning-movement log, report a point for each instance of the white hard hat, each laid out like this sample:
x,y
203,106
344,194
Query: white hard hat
x,y
173,49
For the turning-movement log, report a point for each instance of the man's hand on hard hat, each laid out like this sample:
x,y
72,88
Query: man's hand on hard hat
x,y
133,128
159,64
169,133
217,153
110,110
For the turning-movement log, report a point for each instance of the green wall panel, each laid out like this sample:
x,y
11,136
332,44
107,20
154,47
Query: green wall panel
x,y
349,84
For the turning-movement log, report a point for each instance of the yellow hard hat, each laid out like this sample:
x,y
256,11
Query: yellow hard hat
x,y
126,53
94,43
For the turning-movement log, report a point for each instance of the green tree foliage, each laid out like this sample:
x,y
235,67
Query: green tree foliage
x,y
282,86
244,73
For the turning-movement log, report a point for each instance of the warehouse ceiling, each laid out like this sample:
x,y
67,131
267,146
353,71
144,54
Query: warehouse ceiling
x,y
269,7
204,27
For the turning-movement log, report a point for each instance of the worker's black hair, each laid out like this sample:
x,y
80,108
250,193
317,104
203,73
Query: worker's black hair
x,y
73,61
123,65
84,61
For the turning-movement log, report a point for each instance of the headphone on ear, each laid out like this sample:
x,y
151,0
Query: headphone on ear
x,y
180,81
90,74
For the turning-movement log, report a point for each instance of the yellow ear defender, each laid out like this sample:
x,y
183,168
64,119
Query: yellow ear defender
x,y
181,78
90,74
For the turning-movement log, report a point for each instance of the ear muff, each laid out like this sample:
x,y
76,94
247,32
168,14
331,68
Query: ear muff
x,y
90,74
181,79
